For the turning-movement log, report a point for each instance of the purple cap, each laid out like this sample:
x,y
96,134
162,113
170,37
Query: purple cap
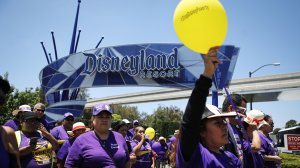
x,y
68,115
135,121
101,107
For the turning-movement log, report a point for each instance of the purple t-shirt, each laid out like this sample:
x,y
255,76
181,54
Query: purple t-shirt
x,y
4,159
267,148
41,157
129,135
248,161
203,157
143,160
160,150
87,151
64,149
59,133
14,124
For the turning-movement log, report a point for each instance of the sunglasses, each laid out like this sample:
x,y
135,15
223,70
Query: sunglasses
x,y
40,110
242,109
69,119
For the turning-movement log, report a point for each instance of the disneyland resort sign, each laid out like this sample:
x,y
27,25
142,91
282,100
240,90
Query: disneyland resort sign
x,y
143,65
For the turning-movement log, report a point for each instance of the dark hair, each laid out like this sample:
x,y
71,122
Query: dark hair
x,y
237,100
117,125
4,90
267,117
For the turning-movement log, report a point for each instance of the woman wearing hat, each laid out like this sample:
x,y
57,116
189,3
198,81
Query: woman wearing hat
x,y
252,149
100,147
204,128
268,147
35,142
78,129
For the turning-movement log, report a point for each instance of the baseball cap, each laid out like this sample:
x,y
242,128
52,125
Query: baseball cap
x,y
126,121
39,106
101,107
212,111
29,115
161,138
68,114
78,125
23,107
135,122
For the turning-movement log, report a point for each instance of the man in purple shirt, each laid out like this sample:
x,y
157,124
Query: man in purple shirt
x,y
60,132
39,108
15,123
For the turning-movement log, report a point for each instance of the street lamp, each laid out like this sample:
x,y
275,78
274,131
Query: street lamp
x,y
250,74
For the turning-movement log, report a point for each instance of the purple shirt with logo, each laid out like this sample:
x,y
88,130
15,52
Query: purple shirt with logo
x,y
14,124
41,157
88,151
203,157
267,148
59,133
145,159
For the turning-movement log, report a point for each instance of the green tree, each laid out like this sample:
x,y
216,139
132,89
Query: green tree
x,y
165,120
116,117
291,123
16,98
129,112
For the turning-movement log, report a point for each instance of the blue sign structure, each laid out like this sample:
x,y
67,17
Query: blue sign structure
x,y
169,65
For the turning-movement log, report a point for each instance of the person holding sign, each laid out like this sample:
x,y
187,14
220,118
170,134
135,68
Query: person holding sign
x,y
203,127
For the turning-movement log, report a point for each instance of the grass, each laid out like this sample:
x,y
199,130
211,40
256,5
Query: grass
x,y
290,160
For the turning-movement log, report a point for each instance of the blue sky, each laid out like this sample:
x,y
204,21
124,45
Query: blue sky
x,y
266,32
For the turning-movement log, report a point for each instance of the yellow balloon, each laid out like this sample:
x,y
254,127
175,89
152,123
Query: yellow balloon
x,y
200,24
150,132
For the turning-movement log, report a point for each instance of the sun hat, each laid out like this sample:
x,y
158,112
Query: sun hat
x,y
23,107
212,111
126,121
254,117
78,125
98,108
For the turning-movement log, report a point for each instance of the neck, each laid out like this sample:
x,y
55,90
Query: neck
x,y
28,134
212,147
102,134
264,132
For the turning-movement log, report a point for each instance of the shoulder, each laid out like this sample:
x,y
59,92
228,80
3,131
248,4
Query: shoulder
x,y
8,130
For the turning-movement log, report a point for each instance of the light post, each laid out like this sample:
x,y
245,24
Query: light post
x,y
252,72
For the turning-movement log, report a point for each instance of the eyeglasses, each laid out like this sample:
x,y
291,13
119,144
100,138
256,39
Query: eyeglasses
x,y
271,124
242,109
40,110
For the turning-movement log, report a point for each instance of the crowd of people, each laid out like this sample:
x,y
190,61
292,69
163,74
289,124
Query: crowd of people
x,y
207,137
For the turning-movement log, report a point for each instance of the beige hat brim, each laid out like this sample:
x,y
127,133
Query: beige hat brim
x,y
230,114
16,112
